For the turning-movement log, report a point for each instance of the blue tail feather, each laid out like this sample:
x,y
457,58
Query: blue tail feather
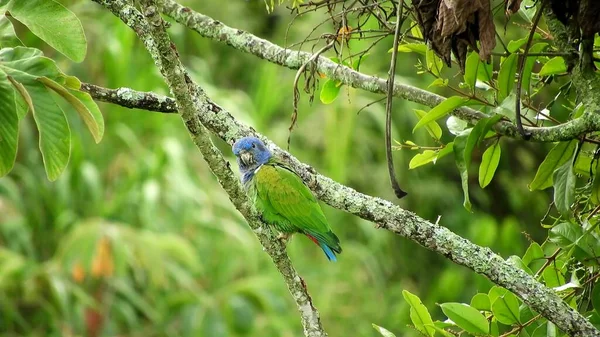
x,y
328,252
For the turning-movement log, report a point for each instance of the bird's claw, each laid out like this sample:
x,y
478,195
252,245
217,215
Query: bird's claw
x,y
283,237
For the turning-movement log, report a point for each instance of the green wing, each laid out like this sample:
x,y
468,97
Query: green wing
x,y
284,196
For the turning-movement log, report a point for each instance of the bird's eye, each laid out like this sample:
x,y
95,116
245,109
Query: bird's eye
x,y
253,146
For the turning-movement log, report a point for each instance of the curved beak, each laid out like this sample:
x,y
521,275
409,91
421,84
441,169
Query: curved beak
x,y
246,158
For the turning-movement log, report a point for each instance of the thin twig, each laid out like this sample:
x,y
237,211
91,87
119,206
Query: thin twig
x,y
521,66
388,106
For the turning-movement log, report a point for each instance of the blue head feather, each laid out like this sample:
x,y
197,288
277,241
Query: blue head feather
x,y
251,153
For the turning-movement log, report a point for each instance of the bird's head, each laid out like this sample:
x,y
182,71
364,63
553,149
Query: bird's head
x,y
251,152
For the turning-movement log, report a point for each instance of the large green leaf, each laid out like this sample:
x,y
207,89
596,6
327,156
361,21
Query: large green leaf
x,y
441,110
9,125
89,112
433,128
8,37
489,163
25,64
53,23
559,155
466,317
568,235
529,63
471,69
564,187
419,314
555,65
506,76
55,135
506,308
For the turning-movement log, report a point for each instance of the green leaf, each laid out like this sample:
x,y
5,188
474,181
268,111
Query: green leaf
x,y
421,159
53,23
456,125
419,315
8,37
55,135
89,112
596,297
446,150
555,65
533,253
564,188
559,155
383,331
434,62
515,45
471,69
506,308
506,76
330,91
9,125
412,47
438,82
489,163
485,72
466,317
481,302
516,261
530,62
553,277
460,144
441,110
433,128
567,235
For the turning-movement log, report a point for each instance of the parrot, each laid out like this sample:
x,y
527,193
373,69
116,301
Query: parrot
x,y
279,194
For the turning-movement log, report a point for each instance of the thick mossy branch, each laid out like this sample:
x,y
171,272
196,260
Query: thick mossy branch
x,y
246,42
389,216
192,102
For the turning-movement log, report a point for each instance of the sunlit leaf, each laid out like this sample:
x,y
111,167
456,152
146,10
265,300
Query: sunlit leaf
x,y
433,128
53,23
489,163
419,314
481,302
555,65
423,158
441,110
559,155
466,317
568,235
553,277
412,47
330,91
383,331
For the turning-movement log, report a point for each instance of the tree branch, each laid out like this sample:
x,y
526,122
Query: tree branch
x,y
246,42
402,222
192,103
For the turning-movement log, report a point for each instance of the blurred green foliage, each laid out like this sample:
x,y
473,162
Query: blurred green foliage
x,y
139,223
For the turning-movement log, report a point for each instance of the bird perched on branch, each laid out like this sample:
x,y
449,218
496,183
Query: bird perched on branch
x,y
282,197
